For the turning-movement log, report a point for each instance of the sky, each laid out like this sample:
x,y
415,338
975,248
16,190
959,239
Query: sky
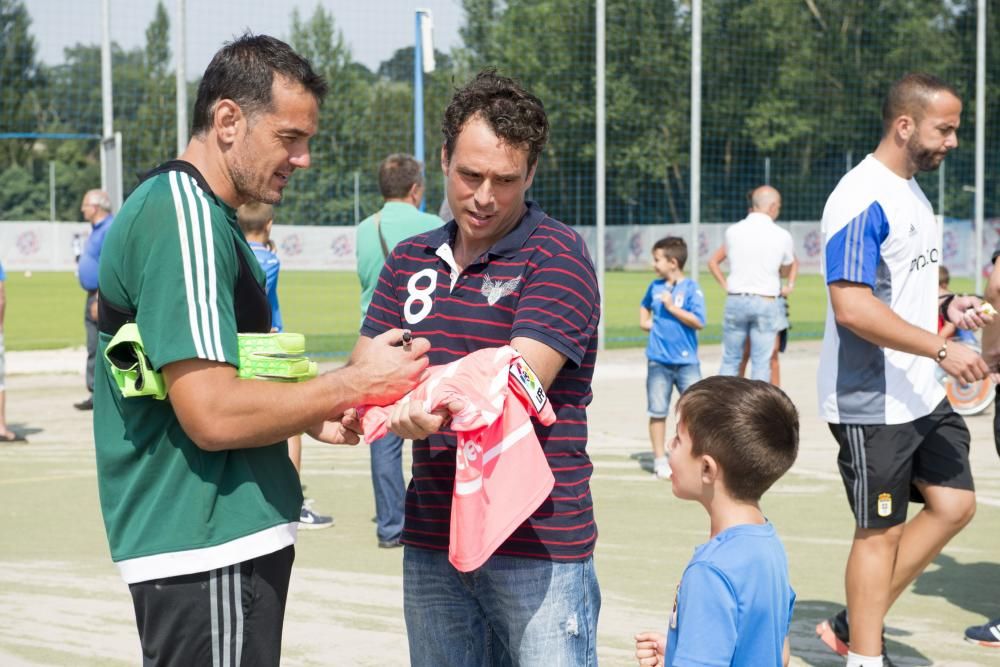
x,y
373,28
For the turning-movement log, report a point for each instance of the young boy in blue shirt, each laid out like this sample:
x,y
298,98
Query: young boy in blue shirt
x,y
735,438
255,219
672,311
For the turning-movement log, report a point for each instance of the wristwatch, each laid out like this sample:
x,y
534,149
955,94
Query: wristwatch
x,y
942,352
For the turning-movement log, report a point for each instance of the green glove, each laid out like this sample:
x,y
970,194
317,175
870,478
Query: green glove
x,y
129,366
279,357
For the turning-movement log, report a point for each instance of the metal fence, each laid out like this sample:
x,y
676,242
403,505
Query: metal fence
x,y
790,95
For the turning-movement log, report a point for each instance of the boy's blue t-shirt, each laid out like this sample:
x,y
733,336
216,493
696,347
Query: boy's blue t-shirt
x,y
734,603
271,265
670,340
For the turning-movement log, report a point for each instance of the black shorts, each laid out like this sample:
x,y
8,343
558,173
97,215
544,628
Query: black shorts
x,y
225,618
879,463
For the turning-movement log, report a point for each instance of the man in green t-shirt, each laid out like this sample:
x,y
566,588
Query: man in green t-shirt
x,y
199,498
401,181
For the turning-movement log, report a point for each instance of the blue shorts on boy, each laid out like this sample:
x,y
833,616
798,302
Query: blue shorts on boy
x,y
734,603
673,346
661,380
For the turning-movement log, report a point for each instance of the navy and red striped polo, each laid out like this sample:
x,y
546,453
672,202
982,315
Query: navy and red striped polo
x,y
537,282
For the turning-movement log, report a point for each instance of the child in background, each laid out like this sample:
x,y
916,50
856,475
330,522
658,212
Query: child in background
x,y
255,219
735,438
947,329
672,311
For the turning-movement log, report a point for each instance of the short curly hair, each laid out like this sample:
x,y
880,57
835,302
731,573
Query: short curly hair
x,y
516,116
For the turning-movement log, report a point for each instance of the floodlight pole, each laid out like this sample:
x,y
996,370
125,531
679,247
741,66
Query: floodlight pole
x,y
420,16
980,137
695,194
107,111
599,164
181,78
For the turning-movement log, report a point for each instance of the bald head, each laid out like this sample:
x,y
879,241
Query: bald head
x,y
910,96
767,200
95,206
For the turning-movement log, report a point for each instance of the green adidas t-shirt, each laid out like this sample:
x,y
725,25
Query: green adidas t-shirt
x,y
171,508
398,221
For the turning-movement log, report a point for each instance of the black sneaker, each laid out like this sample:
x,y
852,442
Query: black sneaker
x,y
85,404
987,634
836,633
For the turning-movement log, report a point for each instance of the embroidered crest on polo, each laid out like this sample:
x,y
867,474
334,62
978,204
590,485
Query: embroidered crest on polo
x,y
494,290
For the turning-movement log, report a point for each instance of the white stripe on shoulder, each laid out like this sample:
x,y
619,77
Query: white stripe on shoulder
x,y
196,225
174,178
213,297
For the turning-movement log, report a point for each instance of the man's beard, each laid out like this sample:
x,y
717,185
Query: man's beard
x,y
246,179
923,158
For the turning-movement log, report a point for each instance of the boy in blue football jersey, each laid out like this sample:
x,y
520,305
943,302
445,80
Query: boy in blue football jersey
x,y
672,311
735,438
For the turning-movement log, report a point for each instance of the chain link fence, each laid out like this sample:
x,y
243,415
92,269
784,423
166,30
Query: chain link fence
x,y
791,97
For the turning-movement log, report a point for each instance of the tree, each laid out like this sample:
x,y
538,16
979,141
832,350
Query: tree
x,y
20,79
148,119
400,66
324,193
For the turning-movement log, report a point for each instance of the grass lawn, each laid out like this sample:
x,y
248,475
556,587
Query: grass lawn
x,y
45,311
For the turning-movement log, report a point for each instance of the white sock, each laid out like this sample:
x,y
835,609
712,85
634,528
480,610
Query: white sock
x,y
659,461
856,660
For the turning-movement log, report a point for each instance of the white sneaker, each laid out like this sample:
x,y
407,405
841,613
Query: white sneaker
x,y
662,470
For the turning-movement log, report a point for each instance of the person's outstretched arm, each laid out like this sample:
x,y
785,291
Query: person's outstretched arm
x,y
218,410
859,310
714,265
991,332
790,273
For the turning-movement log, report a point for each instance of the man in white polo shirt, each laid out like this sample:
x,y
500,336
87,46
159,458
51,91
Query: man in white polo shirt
x,y
760,253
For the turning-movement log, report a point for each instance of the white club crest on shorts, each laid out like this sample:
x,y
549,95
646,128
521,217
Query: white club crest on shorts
x,y
494,290
884,504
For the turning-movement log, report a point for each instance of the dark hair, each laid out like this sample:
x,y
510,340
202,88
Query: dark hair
x,y
243,71
750,428
397,174
944,276
674,247
515,115
253,217
910,95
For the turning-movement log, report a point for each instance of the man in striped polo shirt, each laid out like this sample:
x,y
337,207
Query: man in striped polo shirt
x,y
502,272
199,497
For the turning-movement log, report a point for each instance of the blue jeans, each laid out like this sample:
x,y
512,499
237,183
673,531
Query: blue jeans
x,y
756,317
387,481
523,612
661,380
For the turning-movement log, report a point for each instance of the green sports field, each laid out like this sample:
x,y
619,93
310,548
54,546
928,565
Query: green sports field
x,y
63,603
45,310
